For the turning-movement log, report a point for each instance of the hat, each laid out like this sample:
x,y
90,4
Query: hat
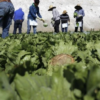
x,y
64,12
51,7
78,6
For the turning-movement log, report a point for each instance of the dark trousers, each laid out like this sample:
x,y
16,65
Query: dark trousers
x,y
17,24
81,28
56,26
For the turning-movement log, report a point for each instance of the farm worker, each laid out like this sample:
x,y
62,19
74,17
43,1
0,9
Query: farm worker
x,y
56,18
18,20
33,10
79,14
6,16
65,21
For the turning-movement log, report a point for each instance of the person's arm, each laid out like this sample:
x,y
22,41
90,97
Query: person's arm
x,y
39,16
83,13
54,14
38,13
75,14
23,16
68,18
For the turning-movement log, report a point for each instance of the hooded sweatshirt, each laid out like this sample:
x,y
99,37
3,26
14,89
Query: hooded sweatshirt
x,y
19,14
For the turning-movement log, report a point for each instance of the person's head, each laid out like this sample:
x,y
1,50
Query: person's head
x,y
36,2
78,7
64,12
51,8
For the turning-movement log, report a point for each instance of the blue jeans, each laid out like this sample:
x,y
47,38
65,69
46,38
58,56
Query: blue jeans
x,y
7,10
5,26
64,29
29,28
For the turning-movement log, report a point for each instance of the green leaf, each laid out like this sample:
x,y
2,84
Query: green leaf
x,y
6,91
98,95
87,97
93,79
43,87
77,93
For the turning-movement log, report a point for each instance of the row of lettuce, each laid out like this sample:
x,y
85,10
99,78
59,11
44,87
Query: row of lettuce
x,y
26,74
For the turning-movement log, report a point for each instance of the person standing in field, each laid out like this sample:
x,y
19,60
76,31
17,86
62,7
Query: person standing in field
x,y
79,14
18,20
6,16
33,11
56,18
65,21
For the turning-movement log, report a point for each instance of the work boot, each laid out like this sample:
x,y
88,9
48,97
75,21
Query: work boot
x,y
81,29
76,29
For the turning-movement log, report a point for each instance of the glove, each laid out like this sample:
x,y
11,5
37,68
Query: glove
x,y
68,23
40,19
52,22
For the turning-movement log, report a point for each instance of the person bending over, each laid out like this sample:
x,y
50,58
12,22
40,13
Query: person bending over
x,y
56,18
18,20
33,11
6,16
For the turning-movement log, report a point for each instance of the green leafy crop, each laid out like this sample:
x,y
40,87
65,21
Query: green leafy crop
x,y
27,74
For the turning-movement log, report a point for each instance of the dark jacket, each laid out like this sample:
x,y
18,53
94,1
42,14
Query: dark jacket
x,y
64,18
19,15
33,10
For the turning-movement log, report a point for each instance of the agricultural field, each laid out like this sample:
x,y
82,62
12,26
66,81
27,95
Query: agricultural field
x,y
48,66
